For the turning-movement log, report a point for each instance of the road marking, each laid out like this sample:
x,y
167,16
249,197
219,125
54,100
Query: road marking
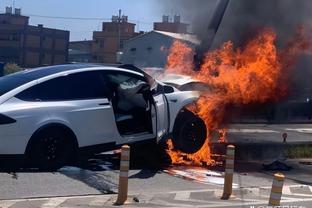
x,y
301,130
53,202
260,202
7,204
251,131
182,196
99,201
286,190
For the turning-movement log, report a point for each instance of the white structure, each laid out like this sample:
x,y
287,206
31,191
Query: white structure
x,y
151,49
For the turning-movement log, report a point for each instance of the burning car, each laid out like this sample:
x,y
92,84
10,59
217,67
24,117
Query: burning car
x,y
185,83
47,114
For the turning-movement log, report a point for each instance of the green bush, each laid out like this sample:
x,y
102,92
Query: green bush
x,y
11,68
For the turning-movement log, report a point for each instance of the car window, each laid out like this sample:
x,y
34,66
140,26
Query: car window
x,y
125,80
78,86
9,82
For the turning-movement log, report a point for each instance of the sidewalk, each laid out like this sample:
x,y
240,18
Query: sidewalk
x,y
244,197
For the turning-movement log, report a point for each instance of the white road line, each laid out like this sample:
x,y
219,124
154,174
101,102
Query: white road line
x,y
7,204
286,190
99,201
182,196
260,202
302,130
251,131
52,203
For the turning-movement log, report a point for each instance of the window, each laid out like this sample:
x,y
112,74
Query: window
x,y
102,43
79,86
10,82
125,80
121,44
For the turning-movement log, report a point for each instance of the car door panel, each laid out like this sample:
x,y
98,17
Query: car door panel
x,y
91,120
162,120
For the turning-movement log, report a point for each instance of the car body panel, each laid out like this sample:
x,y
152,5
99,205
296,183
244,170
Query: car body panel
x,y
177,101
162,115
29,117
92,121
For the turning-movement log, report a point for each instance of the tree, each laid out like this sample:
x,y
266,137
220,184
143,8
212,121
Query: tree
x,y
10,68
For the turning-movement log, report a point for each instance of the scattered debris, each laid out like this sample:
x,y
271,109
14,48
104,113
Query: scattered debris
x,y
136,199
276,166
198,174
306,162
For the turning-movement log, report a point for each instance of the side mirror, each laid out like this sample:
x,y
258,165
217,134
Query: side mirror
x,y
168,89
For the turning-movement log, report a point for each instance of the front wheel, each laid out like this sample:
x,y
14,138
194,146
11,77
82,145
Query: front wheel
x,y
189,133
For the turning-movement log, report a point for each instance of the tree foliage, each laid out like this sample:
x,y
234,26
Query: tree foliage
x,y
11,68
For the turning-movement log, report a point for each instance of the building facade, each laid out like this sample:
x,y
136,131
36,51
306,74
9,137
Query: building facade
x,y
151,49
80,51
30,46
110,40
176,26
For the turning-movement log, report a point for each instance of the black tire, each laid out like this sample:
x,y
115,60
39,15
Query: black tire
x,y
51,149
189,133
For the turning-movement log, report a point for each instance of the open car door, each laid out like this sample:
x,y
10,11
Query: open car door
x,y
162,112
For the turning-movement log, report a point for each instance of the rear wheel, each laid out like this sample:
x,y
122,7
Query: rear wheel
x,y
51,148
189,133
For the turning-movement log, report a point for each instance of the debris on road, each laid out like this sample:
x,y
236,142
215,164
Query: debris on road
x,y
276,166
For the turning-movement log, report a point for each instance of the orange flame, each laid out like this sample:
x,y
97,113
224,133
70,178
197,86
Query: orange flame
x,y
202,157
222,135
257,73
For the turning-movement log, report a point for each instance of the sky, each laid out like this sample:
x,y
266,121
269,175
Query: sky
x,y
141,12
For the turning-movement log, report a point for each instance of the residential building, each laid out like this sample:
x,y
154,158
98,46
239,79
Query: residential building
x,y
80,51
108,42
28,45
151,49
176,26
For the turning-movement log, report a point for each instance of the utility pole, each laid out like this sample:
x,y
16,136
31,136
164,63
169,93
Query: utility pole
x,y
119,32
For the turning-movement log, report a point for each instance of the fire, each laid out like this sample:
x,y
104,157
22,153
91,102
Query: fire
x,y
180,59
222,135
202,157
256,73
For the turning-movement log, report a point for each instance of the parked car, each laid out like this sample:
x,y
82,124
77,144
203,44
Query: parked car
x,y
184,83
50,114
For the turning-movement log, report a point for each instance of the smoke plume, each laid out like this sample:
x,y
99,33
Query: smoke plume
x,y
243,19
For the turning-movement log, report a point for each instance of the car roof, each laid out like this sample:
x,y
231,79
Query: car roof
x,y
40,72
9,82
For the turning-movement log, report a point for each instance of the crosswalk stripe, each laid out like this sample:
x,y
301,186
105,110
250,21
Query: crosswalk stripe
x,y
7,204
182,195
99,201
52,203
286,190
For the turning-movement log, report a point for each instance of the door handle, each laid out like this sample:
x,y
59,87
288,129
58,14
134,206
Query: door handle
x,y
174,100
105,104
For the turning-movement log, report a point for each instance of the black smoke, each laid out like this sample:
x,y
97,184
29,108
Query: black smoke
x,y
242,21
243,18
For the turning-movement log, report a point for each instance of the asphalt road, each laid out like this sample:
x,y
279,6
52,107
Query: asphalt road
x,y
99,174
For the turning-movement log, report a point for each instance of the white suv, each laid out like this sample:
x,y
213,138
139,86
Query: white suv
x,y
49,114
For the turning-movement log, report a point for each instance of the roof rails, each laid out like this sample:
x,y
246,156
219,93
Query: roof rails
x,y
130,67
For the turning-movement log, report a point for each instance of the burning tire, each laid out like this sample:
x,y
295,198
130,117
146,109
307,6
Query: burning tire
x,y
189,133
